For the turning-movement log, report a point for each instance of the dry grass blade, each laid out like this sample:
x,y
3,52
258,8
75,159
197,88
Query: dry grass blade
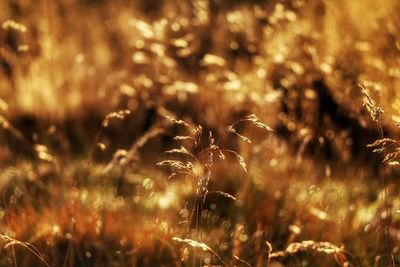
x,y
178,165
42,153
216,148
198,131
119,115
122,157
152,133
175,174
256,121
252,118
382,142
389,147
230,129
224,194
241,260
6,125
181,150
183,137
196,244
239,158
11,241
309,245
392,156
11,24
376,114
172,163
176,121
269,251
375,111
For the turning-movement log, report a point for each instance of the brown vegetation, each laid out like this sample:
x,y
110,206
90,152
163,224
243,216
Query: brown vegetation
x,y
199,133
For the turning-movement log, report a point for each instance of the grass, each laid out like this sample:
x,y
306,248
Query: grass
x,y
199,133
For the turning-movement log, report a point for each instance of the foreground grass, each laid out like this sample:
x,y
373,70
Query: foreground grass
x,y
77,219
84,90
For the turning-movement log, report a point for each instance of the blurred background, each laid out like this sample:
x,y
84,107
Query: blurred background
x,y
84,90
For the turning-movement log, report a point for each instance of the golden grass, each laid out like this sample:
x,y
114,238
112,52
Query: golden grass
x,y
199,133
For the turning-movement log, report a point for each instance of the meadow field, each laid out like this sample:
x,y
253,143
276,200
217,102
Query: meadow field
x,y
199,133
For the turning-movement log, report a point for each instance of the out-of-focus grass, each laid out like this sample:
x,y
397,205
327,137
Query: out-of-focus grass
x,y
89,193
